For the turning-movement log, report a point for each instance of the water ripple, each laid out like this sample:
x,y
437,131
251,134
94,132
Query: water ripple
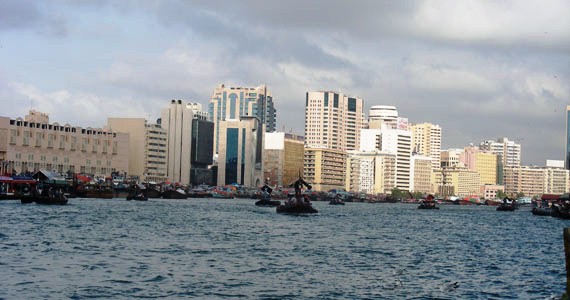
x,y
212,249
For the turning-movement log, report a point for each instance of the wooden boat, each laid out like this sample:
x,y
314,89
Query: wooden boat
x,y
174,194
297,206
43,199
266,201
337,200
506,207
542,211
139,197
426,205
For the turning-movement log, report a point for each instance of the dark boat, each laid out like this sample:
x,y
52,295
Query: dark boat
x,y
174,194
337,200
266,201
428,203
506,207
46,200
294,206
139,197
542,211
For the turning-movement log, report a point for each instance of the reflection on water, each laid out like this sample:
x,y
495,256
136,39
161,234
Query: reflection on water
x,y
230,249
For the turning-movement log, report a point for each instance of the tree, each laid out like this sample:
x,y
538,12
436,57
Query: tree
x,y
501,194
398,194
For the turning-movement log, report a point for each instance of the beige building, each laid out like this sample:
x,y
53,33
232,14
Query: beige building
x,y
420,174
240,152
324,168
450,158
147,147
458,181
535,181
490,191
333,121
33,144
177,120
283,157
370,172
426,140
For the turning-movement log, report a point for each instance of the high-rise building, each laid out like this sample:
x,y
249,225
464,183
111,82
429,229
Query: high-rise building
x,y
333,121
458,181
201,153
567,148
420,174
147,147
394,141
535,181
177,119
382,115
324,168
231,103
281,163
33,144
508,152
426,140
371,172
240,158
481,161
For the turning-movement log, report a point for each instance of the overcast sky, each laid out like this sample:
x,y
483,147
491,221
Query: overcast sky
x,y
479,69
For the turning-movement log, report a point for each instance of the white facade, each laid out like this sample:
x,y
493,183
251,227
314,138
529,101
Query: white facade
x,y
383,115
509,152
394,141
274,141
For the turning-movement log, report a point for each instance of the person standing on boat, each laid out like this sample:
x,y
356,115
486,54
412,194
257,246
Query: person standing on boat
x,y
266,188
298,185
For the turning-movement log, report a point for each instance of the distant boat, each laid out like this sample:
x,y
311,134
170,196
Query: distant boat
x,y
297,206
428,203
507,206
174,194
266,201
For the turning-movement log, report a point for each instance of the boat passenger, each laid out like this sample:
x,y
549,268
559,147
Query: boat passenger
x,y
298,185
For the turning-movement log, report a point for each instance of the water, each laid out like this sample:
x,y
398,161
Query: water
x,y
211,249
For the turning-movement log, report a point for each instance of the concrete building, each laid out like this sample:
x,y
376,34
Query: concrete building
x,y
490,191
481,161
420,174
147,148
201,153
231,103
333,121
567,145
370,172
394,141
458,181
325,168
508,152
383,116
535,181
177,119
283,157
33,144
450,158
240,158
426,140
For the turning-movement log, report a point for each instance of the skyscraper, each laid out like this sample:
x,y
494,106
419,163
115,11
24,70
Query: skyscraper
x,y
333,121
240,158
386,115
426,140
231,103
567,148
177,120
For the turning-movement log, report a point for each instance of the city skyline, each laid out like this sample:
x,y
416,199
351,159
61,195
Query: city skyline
x,y
495,69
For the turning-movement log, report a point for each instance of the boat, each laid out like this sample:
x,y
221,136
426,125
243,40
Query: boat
x,y
542,211
507,206
266,201
136,192
139,197
428,203
337,200
296,206
45,198
174,194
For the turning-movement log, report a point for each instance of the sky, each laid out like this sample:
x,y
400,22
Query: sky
x,y
481,69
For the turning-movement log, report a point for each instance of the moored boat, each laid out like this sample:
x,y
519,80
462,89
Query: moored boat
x,y
542,211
